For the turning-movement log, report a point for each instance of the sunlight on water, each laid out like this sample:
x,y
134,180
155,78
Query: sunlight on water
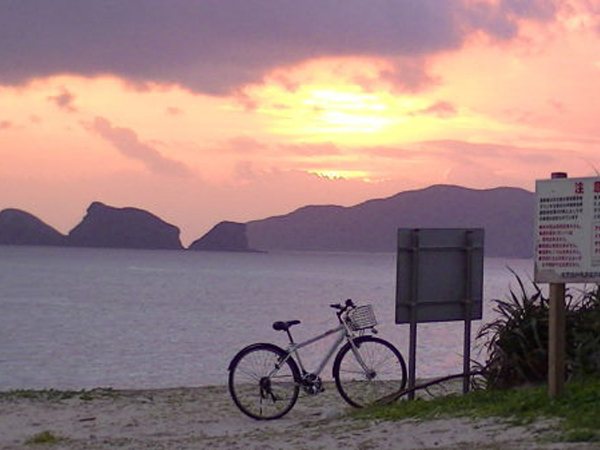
x,y
83,318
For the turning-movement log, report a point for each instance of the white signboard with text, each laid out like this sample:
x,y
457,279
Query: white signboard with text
x,y
567,230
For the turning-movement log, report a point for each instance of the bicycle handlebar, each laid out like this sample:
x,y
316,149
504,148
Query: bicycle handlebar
x,y
343,308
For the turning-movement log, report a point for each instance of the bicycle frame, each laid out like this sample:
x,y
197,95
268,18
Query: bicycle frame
x,y
343,334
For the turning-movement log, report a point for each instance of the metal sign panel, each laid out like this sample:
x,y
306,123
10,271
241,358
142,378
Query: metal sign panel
x,y
567,230
439,275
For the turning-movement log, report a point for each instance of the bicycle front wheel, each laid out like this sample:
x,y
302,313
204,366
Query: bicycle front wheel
x,y
264,381
368,371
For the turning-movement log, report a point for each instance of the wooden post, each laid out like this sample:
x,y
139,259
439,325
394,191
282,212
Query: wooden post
x,y
556,340
556,333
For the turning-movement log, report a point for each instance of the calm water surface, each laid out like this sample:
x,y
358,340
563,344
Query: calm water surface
x,y
82,318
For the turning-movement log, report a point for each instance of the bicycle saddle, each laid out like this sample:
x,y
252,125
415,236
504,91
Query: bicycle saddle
x,y
284,326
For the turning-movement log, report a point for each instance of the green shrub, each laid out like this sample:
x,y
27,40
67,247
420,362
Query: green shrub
x,y
583,334
517,341
44,438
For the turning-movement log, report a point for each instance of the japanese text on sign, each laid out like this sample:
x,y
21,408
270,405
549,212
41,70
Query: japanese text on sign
x,y
567,230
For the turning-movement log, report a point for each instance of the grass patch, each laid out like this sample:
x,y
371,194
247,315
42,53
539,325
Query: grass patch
x,y
44,438
57,395
577,409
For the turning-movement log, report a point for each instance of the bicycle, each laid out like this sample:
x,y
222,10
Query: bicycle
x,y
265,379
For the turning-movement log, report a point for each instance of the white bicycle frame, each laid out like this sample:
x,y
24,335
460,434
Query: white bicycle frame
x,y
343,334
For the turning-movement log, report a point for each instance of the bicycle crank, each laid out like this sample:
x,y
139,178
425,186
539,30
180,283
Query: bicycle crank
x,y
312,384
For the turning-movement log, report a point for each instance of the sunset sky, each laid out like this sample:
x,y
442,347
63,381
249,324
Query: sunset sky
x,y
207,110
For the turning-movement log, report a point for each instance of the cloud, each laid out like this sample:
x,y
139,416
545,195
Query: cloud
x,y
216,46
409,75
453,150
307,149
242,144
64,100
128,144
442,110
486,150
5,125
482,164
500,19
245,171
248,145
174,111
542,10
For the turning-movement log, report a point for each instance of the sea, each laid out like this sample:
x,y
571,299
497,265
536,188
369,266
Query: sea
x,y
82,318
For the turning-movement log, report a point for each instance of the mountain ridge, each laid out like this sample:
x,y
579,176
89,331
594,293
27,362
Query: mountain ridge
x,y
506,213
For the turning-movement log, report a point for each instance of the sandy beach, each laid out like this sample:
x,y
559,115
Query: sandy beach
x,y
205,418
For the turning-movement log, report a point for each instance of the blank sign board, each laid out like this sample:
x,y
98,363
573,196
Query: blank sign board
x,y
439,275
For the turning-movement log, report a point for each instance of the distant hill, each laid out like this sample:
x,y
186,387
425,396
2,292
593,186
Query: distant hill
x,y
224,237
505,213
21,228
109,227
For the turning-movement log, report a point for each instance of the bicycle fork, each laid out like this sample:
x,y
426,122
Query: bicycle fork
x,y
370,374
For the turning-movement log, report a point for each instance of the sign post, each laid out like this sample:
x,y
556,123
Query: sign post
x,y
556,340
567,249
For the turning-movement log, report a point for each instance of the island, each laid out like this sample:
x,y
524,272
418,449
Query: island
x,y
225,236
21,228
110,227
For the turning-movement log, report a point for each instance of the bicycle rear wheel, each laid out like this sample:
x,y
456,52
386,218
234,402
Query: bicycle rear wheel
x,y
369,372
264,381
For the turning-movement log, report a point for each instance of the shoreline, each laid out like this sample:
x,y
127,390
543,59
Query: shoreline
x,y
206,418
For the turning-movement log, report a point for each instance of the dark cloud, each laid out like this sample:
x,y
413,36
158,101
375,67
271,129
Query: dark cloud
x,y
542,10
214,46
128,144
64,100
406,74
409,75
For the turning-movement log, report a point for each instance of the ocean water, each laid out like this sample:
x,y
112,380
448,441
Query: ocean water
x,y
81,318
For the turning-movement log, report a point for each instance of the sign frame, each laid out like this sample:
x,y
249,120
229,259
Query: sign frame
x,y
451,290
439,274
567,230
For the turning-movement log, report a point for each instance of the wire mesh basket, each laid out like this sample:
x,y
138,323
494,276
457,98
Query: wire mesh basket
x,y
362,317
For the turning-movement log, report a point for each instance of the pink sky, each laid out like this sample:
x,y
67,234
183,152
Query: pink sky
x,y
202,111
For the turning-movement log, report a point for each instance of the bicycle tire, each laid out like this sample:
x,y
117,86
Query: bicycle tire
x,y
257,387
386,371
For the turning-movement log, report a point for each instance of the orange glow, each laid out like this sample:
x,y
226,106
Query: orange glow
x,y
347,112
342,174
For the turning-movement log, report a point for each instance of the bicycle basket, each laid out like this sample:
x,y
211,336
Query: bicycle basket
x,y
361,317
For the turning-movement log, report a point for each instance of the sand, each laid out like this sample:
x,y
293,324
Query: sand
x,y
205,418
